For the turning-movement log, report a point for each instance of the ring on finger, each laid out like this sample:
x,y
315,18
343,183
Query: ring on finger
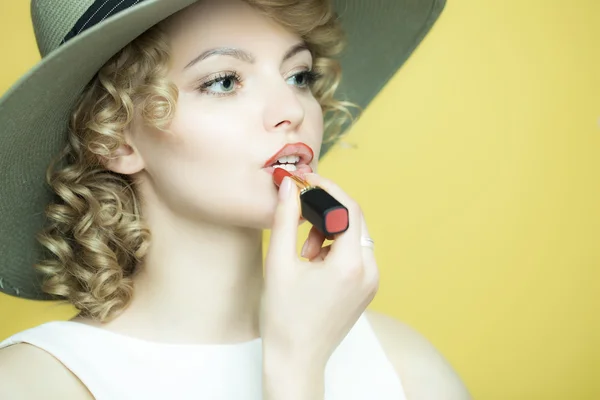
x,y
366,241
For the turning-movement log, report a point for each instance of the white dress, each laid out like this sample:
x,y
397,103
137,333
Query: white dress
x,y
117,367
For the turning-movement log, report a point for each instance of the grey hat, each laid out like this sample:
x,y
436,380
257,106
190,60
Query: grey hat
x,y
76,38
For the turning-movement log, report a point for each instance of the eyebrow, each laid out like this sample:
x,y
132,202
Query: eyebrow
x,y
243,55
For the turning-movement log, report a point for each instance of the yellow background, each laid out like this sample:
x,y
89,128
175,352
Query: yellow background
x,y
477,168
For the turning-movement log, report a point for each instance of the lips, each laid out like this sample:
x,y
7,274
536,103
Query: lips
x,y
294,158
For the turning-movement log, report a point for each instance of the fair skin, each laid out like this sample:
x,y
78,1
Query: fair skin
x,y
202,281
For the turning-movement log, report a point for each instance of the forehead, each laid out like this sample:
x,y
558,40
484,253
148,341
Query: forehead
x,y
214,23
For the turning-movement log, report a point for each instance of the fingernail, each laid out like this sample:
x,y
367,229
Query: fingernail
x,y
285,188
304,249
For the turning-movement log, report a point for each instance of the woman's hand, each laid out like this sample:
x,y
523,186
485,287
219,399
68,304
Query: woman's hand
x,y
308,307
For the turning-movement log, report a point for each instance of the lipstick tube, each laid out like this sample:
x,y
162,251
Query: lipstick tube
x,y
318,207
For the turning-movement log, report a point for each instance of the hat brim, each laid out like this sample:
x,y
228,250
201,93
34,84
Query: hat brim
x,y
34,112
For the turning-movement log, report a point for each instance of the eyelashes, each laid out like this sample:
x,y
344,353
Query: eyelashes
x,y
225,83
221,77
310,77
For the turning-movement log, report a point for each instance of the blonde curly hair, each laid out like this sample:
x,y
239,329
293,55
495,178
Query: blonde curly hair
x,y
95,235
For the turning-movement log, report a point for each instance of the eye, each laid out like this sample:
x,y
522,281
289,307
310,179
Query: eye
x,y
226,84
304,79
222,84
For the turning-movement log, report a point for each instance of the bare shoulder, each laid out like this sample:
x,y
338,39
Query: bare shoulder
x,y
21,364
424,372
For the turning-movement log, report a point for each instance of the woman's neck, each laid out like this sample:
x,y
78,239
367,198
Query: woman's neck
x,y
199,283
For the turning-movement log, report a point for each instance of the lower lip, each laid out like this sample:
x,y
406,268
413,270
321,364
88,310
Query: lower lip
x,y
300,170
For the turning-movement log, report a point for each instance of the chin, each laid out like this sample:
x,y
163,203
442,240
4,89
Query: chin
x,y
264,220
257,210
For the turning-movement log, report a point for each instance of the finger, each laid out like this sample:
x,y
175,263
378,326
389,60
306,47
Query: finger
x,y
364,233
284,232
322,254
346,244
313,243
371,271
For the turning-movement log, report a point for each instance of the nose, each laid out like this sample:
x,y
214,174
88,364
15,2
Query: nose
x,y
284,110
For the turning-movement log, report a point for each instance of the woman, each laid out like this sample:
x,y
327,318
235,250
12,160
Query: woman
x,y
164,188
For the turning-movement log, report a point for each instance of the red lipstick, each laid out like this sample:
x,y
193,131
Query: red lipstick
x,y
318,207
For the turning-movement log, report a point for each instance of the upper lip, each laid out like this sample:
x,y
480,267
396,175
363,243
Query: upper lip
x,y
293,149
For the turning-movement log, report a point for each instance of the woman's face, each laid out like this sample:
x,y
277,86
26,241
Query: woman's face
x,y
235,111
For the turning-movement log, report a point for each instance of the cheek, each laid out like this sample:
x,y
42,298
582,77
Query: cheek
x,y
204,136
314,111
314,117
201,163
314,120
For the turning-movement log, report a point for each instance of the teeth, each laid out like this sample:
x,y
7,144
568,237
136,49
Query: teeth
x,y
289,159
287,167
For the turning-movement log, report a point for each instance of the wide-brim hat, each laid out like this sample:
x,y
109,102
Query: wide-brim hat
x,y
76,38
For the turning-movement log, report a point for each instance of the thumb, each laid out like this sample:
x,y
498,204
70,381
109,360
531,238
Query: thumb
x,y
284,233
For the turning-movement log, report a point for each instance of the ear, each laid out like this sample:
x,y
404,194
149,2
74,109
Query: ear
x,y
125,160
